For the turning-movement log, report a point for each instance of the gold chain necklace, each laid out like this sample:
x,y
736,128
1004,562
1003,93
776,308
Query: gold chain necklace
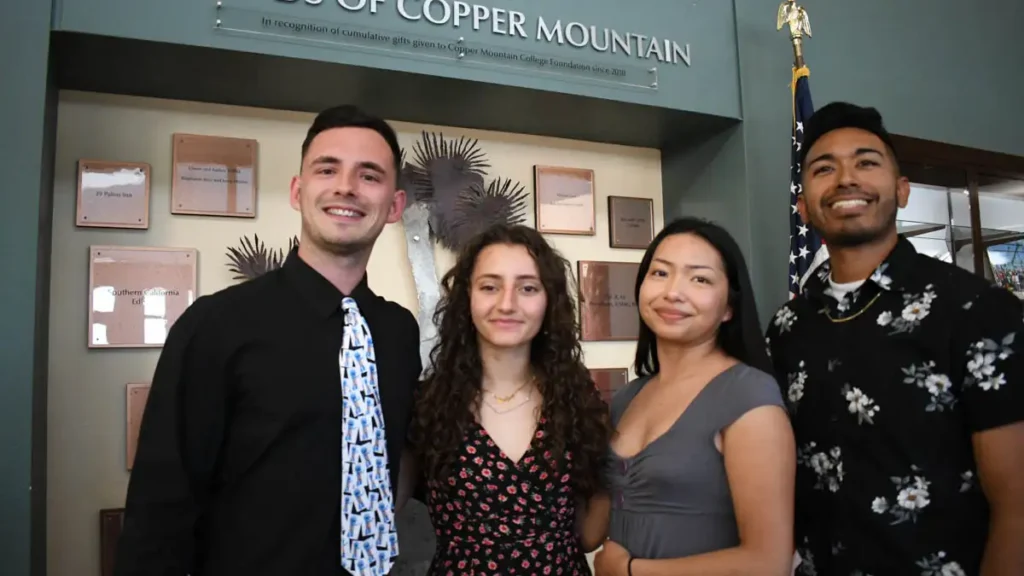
x,y
505,399
848,318
506,410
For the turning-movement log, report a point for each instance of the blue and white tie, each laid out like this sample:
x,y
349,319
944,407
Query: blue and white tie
x,y
369,540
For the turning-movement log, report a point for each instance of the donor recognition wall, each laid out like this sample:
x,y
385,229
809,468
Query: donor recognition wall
x,y
182,199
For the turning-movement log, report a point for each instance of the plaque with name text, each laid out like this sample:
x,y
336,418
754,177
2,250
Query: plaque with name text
x,y
609,381
135,401
137,293
113,194
608,309
214,176
111,525
630,222
564,200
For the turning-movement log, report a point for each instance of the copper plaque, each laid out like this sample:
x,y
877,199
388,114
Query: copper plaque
x,y
607,306
214,176
564,200
609,380
137,394
111,524
137,293
630,222
113,194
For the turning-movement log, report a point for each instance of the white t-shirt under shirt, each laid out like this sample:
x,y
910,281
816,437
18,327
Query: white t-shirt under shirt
x,y
841,290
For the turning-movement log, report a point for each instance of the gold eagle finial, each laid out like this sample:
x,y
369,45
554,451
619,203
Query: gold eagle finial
x,y
793,14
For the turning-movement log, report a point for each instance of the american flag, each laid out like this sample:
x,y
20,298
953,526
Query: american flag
x,y
804,243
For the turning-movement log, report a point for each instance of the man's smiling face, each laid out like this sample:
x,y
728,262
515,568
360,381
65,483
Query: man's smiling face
x,y
346,191
852,188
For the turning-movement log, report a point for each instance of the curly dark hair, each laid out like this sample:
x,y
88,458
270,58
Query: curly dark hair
x,y
577,418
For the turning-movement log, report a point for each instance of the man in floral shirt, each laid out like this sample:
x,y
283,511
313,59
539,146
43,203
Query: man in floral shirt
x,y
903,376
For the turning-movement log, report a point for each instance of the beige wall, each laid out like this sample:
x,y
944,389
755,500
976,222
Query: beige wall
x,y
86,424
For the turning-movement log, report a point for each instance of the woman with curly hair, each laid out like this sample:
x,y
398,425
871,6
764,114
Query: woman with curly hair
x,y
510,433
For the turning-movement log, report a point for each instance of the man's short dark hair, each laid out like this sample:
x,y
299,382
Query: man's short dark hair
x,y
838,115
349,116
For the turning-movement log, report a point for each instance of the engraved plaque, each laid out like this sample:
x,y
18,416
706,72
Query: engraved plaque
x,y
137,393
112,194
564,200
137,293
214,176
111,523
609,380
608,309
630,222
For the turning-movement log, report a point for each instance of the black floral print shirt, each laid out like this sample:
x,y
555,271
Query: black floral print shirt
x,y
885,386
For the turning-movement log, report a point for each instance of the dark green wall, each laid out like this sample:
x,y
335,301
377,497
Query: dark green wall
x,y
936,69
707,178
27,109
708,86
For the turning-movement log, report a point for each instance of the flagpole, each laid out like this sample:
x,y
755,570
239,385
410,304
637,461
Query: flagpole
x,y
799,26
806,249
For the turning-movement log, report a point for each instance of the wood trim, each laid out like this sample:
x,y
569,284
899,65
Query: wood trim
x,y
932,155
942,176
977,247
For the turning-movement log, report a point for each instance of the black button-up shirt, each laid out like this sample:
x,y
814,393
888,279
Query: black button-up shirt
x,y
884,388
238,467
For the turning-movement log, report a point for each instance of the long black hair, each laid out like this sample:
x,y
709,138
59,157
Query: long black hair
x,y
739,337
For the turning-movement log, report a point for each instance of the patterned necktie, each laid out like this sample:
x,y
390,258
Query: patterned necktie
x,y
369,540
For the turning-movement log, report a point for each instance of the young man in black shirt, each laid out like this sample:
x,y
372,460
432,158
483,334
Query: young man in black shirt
x,y
904,376
240,467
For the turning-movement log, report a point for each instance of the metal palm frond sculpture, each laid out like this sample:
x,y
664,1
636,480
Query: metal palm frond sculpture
x,y
253,259
479,208
447,175
415,182
462,155
443,170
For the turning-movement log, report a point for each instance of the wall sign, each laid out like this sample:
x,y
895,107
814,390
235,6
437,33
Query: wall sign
x,y
503,22
564,200
137,293
214,175
608,310
609,381
630,222
113,194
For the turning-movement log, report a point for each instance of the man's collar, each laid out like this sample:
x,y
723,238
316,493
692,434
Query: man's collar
x,y
321,294
893,274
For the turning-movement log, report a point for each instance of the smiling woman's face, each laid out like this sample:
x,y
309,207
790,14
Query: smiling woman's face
x,y
507,298
684,296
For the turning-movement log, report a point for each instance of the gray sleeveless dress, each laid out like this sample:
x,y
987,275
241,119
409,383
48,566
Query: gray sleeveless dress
x,y
672,499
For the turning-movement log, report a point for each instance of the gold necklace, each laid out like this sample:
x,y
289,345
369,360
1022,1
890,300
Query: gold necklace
x,y
505,399
506,410
851,317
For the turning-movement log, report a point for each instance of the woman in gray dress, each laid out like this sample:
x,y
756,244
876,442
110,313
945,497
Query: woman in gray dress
x,y
702,462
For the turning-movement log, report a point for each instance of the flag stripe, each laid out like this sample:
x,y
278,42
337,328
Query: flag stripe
x,y
804,242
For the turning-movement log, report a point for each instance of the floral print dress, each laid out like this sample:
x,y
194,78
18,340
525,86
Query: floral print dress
x,y
496,517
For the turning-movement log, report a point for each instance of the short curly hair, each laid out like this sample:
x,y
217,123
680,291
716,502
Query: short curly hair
x,y
577,418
